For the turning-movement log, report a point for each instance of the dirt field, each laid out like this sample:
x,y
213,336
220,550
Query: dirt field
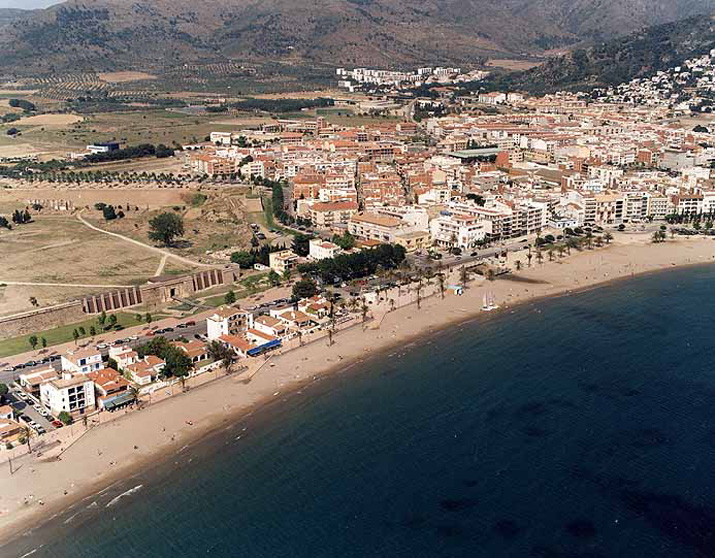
x,y
125,77
17,150
58,249
149,198
50,120
517,65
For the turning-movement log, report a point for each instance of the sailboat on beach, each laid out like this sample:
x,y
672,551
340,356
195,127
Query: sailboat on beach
x,y
488,305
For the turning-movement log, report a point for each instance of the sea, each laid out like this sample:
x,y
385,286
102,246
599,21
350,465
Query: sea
x,y
582,426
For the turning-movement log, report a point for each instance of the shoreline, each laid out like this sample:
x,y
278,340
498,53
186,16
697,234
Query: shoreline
x,y
99,459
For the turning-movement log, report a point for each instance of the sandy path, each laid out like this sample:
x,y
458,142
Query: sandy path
x,y
135,440
26,284
165,253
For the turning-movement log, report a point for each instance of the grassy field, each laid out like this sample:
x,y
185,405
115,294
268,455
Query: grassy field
x,y
59,335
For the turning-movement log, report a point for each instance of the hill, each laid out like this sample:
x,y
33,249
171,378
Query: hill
x,y
107,35
636,55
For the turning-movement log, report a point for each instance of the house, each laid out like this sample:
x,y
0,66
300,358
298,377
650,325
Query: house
x,y
370,226
72,393
322,249
123,355
282,261
81,360
111,389
271,326
259,338
237,344
31,381
296,319
316,307
6,412
227,320
326,215
194,349
146,370
10,430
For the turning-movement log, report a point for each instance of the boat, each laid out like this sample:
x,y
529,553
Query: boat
x,y
488,305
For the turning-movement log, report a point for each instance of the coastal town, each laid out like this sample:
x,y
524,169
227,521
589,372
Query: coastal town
x,y
458,184
429,191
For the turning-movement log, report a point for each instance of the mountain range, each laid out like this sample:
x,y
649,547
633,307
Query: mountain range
x,y
106,35
639,54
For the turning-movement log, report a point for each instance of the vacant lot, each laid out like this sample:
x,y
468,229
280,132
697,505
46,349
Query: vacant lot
x,y
62,252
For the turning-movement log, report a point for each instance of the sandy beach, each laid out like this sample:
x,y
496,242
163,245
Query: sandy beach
x,y
40,486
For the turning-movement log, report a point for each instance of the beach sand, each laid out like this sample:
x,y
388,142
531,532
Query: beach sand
x,y
138,439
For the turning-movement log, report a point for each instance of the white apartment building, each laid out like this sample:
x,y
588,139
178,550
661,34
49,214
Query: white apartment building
x,y
319,249
370,226
282,261
227,321
72,393
458,231
81,360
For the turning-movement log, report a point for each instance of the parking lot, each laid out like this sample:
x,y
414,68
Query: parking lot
x,y
31,411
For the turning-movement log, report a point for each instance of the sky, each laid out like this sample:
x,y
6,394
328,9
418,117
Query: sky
x,y
27,4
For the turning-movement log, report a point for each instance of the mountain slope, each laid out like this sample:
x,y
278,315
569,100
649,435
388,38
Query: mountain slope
x,y
637,55
126,34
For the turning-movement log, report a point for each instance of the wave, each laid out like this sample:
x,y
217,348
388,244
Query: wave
x,y
123,494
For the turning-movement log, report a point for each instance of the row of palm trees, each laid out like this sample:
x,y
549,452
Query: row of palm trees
x,y
589,241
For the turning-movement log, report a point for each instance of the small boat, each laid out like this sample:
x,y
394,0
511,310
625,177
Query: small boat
x,y
488,305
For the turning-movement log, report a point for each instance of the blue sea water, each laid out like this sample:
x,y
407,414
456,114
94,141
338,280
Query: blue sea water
x,y
577,427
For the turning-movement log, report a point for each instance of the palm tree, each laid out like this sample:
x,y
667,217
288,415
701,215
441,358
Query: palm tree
x,y
220,352
539,256
364,309
463,276
517,265
608,237
440,281
551,254
529,256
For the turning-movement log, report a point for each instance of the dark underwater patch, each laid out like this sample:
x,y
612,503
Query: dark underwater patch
x,y
535,432
649,438
689,524
581,529
507,529
459,505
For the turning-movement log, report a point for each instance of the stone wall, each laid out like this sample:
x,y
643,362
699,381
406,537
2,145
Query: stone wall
x,y
41,319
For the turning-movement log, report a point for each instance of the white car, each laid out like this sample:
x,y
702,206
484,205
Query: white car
x,y
101,346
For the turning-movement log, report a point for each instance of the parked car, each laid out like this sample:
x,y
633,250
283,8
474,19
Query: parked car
x,y
181,326
119,341
149,334
57,423
168,329
40,429
133,338
101,346
25,418
191,323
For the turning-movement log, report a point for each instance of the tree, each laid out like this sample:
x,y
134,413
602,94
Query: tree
x,y
230,297
273,278
112,320
301,244
33,341
65,418
109,213
221,353
244,259
43,342
34,302
608,237
166,227
287,275
92,331
517,265
75,335
81,330
111,363
148,318
3,391
102,319
305,288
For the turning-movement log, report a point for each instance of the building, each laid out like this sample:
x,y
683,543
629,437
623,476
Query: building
x,y
81,361
194,349
111,389
227,321
146,370
370,226
31,381
73,393
10,430
123,355
106,147
282,261
322,249
414,241
325,215
458,231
